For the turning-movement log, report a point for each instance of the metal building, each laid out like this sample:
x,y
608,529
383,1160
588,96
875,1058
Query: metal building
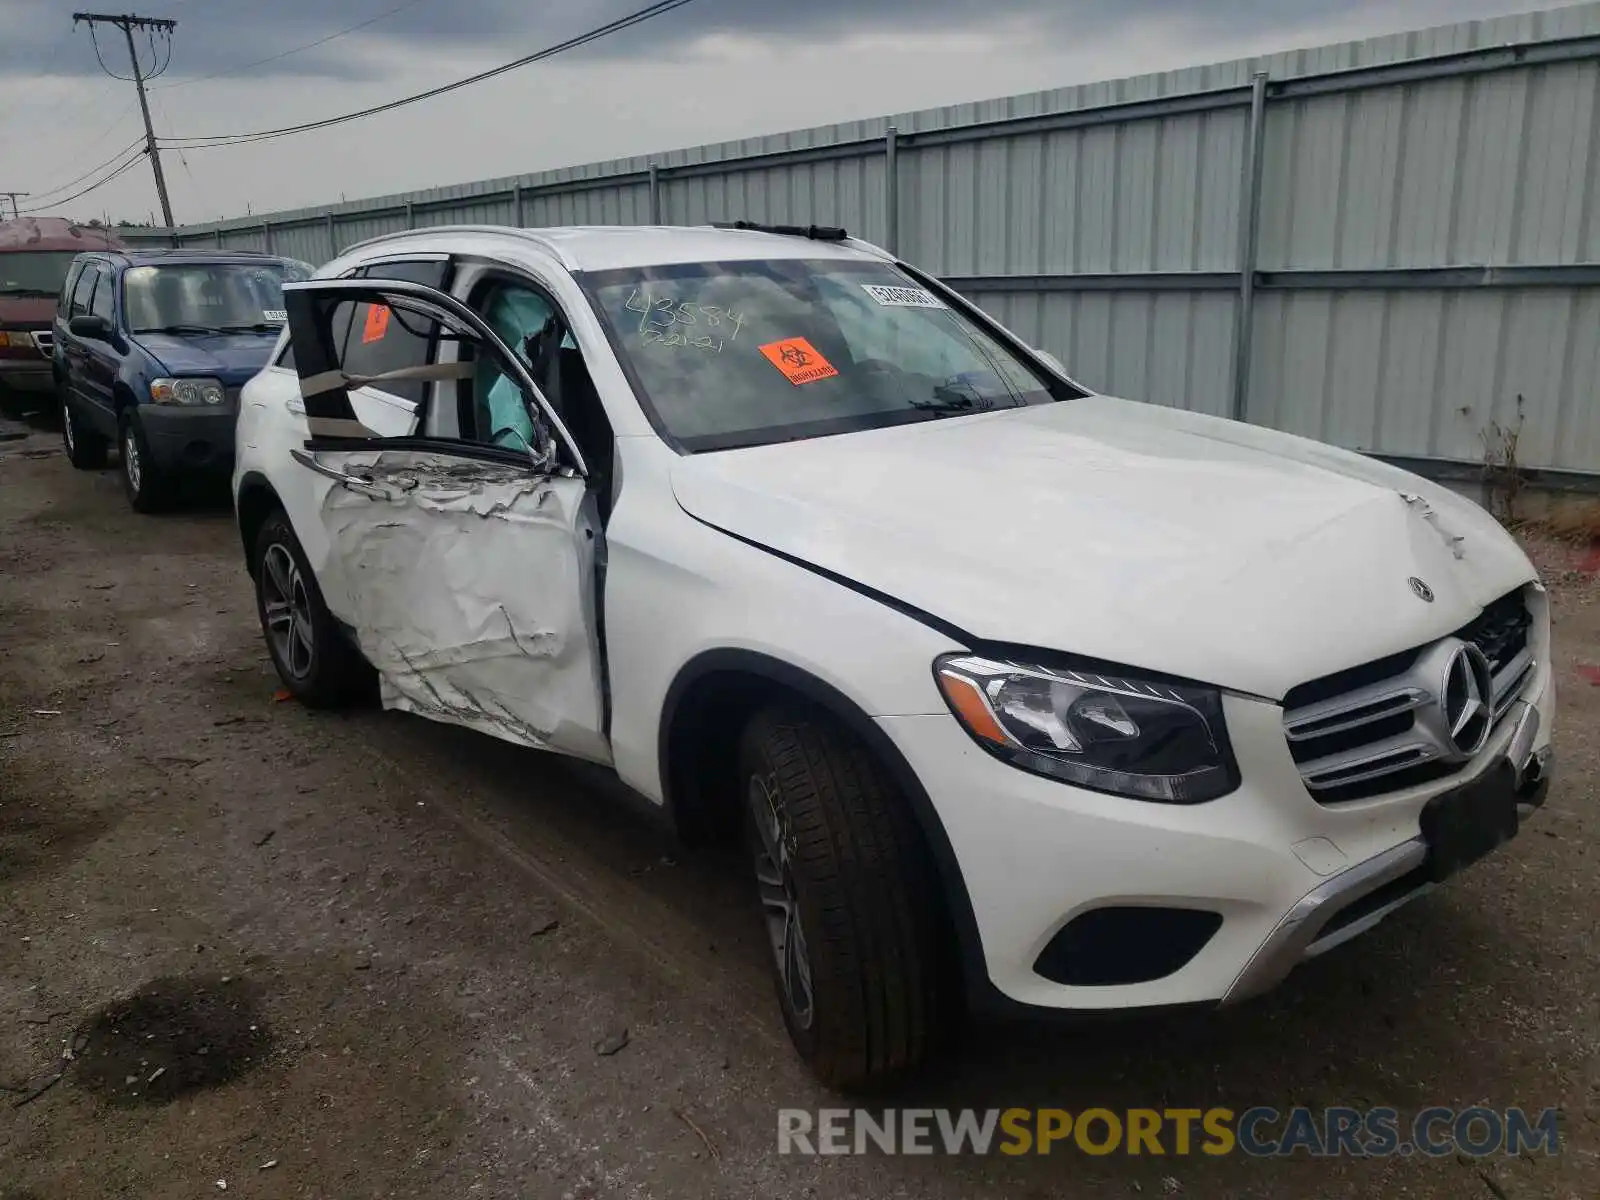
x,y
1391,244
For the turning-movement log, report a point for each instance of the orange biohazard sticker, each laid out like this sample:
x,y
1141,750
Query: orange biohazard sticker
x,y
799,360
377,323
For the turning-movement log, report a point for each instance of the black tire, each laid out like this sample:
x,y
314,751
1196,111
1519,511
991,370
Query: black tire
x,y
85,449
859,877
332,673
149,489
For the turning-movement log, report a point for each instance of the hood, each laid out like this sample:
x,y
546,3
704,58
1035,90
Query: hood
x,y
233,358
1144,536
27,312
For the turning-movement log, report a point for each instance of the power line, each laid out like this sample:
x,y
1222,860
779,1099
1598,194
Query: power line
x,y
155,53
193,182
99,183
127,22
322,41
98,167
208,141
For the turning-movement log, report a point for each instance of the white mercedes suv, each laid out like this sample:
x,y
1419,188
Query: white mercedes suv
x,y
1023,698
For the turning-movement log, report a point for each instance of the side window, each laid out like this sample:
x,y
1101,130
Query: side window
x,y
379,340
85,289
519,316
529,322
101,305
433,273
64,302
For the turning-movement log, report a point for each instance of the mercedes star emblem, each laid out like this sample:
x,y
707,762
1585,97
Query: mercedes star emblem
x,y
1468,691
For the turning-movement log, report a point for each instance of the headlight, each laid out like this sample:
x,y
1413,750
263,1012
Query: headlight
x,y
1149,740
187,391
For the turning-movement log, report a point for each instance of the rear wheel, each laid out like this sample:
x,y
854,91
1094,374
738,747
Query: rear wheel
x,y
86,449
848,896
149,488
308,648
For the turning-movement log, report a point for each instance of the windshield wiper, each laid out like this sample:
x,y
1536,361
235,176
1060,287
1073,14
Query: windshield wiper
x,y
28,291
181,328
952,398
943,406
258,327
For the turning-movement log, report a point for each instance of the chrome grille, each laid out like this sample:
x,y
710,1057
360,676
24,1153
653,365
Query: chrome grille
x,y
45,340
1375,728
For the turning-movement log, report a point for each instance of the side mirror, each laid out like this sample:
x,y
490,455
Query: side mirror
x,y
90,326
1053,362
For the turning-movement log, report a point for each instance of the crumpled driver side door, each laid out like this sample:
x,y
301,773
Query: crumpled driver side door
x,y
467,570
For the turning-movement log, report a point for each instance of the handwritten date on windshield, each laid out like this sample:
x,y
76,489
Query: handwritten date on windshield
x,y
670,322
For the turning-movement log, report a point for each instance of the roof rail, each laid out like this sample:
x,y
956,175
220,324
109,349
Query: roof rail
x,y
226,251
817,233
527,235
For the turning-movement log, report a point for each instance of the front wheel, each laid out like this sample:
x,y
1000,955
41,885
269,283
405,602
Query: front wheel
x,y
149,488
849,899
307,646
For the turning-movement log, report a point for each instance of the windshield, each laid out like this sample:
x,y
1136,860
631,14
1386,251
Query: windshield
x,y
34,272
208,297
741,353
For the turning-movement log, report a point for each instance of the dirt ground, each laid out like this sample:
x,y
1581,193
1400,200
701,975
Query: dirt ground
x,y
360,955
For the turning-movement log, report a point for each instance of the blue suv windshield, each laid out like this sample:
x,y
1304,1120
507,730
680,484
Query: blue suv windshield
x,y
208,297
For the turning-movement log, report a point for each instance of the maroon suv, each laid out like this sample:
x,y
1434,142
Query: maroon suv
x,y
35,253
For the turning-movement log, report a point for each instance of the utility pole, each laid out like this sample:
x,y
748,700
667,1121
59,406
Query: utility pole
x,y
127,22
12,196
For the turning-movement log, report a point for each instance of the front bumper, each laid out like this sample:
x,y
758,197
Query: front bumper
x,y
1285,878
190,439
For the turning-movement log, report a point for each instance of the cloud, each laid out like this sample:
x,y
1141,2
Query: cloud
x,y
231,34
712,71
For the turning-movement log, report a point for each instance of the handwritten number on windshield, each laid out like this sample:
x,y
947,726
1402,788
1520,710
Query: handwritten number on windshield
x,y
661,319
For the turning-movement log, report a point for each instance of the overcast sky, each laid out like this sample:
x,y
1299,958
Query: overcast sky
x,y
713,70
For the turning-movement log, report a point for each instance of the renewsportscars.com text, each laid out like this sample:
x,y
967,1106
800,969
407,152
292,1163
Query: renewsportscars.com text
x,y
1259,1132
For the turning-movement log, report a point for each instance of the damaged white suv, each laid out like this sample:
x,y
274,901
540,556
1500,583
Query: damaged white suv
x,y
1024,698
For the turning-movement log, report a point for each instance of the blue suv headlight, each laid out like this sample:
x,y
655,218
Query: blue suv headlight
x,y
194,391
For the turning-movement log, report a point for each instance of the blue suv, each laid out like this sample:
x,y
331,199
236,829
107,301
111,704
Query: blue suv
x,y
151,349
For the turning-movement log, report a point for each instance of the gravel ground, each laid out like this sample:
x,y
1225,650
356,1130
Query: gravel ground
x,y
361,955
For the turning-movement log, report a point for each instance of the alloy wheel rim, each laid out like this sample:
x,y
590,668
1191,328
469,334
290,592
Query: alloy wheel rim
x,y
770,847
130,458
287,611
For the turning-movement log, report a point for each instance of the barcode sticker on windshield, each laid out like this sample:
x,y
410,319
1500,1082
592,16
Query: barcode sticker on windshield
x,y
279,316
902,297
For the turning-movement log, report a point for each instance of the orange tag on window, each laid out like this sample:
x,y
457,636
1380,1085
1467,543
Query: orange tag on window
x,y
377,323
799,360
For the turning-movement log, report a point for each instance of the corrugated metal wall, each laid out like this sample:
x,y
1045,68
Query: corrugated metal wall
x,y
1426,235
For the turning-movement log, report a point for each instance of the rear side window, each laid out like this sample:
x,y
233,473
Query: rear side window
x,y
375,341
84,289
64,301
101,305
381,340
